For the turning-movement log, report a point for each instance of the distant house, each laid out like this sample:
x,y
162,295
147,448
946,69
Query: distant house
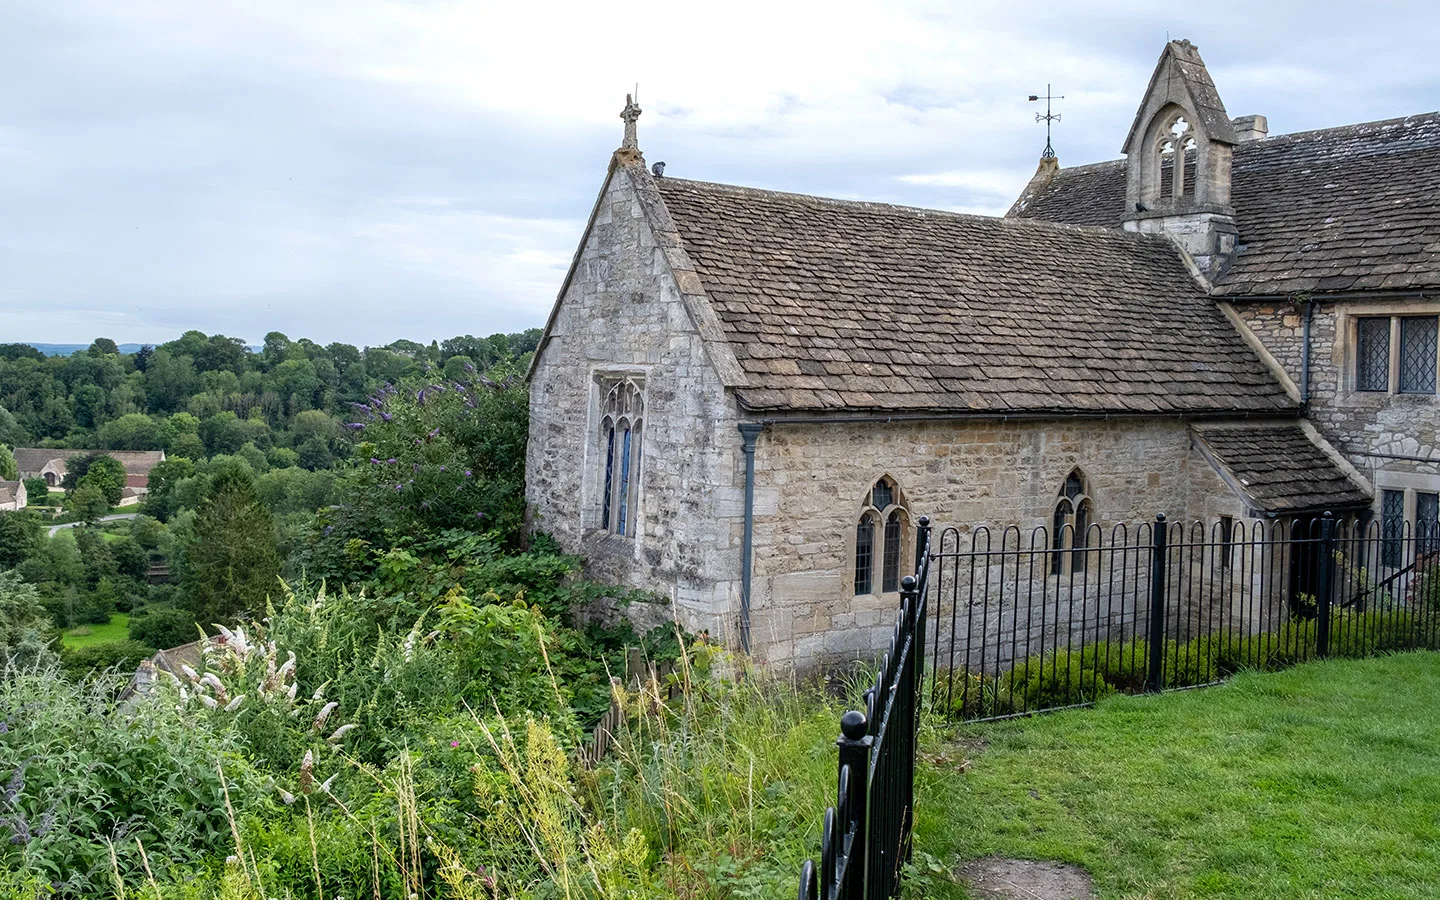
x,y
12,496
49,463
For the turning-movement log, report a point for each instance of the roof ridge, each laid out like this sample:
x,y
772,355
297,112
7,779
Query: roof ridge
x,y
1004,221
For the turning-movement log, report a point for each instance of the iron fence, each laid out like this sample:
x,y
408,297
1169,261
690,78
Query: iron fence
x,y
1027,622
866,835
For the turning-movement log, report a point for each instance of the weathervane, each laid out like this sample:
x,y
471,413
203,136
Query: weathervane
x,y
1047,117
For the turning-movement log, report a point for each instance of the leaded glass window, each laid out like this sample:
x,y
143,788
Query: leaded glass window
x,y
883,494
1071,521
1227,541
1427,522
865,554
1392,524
880,566
1372,355
1417,355
622,404
891,562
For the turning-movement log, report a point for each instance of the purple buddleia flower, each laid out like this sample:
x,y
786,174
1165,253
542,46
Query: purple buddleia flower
x,y
386,416
468,367
399,487
479,515
355,426
432,435
442,468
328,529
392,460
468,473
424,504
375,461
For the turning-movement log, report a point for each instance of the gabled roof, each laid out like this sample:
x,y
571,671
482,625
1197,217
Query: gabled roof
x,y
1355,208
1280,469
136,462
833,305
33,459
1181,75
9,490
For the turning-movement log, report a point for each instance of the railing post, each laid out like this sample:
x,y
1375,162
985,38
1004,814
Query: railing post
x,y
922,543
1325,587
854,743
1159,571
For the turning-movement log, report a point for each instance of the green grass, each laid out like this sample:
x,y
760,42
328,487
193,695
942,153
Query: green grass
x,y
117,629
1320,781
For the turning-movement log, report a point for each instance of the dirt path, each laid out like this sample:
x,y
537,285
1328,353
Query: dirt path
x,y
998,878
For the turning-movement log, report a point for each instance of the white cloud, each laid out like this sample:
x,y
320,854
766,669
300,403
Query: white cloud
x,y
424,167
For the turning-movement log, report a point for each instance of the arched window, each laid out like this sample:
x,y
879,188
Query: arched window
x,y
883,513
1070,525
622,405
1176,149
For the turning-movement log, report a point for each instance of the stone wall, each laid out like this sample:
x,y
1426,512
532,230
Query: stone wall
x,y
1391,439
812,480
622,312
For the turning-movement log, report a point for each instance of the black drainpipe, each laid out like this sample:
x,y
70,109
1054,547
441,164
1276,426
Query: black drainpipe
x,y
1305,358
749,431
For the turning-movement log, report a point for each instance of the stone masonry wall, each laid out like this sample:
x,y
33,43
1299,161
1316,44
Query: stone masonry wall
x,y
812,479
622,312
1392,439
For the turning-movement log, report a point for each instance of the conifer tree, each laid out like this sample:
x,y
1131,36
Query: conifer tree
x,y
232,563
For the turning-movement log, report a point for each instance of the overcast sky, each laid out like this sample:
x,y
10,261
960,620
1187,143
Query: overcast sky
x,y
363,171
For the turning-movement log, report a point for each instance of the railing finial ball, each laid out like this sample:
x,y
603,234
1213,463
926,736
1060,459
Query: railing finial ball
x,y
854,725
908,583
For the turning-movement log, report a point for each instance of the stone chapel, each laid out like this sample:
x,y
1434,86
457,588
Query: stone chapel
x,y
743,397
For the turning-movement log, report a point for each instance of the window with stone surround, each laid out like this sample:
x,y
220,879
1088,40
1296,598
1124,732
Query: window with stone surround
x,y
1392,526
622,409
880,540
1396,355
1070,525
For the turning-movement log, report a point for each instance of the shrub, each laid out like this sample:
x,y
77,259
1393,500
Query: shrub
x,y
163,627
123,656
81,776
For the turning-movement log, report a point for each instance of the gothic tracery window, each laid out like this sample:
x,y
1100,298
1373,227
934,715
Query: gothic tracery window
x,y
1176,149
622,409
879,540
1070,525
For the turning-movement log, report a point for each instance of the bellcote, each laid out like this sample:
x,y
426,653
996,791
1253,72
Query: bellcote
x,y
1177,170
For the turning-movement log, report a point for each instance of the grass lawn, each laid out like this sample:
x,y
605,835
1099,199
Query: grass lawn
x,y
117,629
1320,781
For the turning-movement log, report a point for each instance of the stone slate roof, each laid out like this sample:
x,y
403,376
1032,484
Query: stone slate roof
x,y
840,305
1280,469
135,462
1355,208
30,460
9,490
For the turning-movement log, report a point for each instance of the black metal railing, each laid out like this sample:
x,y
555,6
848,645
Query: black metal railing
x,y
1022,624
866,835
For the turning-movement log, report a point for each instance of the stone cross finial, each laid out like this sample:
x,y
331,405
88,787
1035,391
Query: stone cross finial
x,y
630,113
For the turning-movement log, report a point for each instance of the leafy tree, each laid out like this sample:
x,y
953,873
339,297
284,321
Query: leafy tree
x,y
163,627
87,504
223,433
130,558
232,564
135,431
22,535
37,490
282,457
10,431
315,454
20,351
107,475
103,347
9,471
25,630
186,446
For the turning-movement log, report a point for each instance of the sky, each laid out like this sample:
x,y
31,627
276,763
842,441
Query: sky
x,y
363,171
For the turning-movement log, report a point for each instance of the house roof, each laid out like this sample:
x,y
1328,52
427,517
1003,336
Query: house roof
x,y
834,305
33,459
9,490
136,462
1354,208
1281,469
